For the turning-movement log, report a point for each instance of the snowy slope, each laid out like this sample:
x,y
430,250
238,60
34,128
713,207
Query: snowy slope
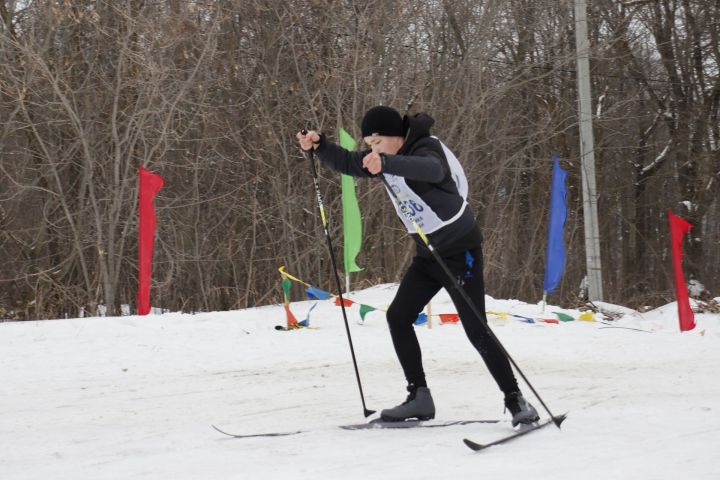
x,y
134,397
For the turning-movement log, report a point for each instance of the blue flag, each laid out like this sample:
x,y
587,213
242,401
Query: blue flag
x,y
421,320
315,293
306,322
555,259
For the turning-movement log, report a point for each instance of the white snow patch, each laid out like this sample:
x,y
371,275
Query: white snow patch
x,y
134,397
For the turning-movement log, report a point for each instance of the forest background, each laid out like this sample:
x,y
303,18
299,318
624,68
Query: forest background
x,y
210,94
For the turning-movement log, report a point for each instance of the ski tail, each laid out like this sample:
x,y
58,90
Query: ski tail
x,y
251,435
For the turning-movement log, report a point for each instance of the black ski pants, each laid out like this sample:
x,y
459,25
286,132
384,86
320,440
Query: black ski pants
x,y
421,282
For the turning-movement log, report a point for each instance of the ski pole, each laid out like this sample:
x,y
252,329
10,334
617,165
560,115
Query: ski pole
x,y
556,420
309,155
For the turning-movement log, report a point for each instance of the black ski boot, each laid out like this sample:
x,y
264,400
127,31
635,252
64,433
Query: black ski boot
x,y
419,404
523,413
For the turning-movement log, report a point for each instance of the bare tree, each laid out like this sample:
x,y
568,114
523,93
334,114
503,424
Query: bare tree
x,y
210,94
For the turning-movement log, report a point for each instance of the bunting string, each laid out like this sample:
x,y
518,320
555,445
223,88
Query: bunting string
x,y
315,293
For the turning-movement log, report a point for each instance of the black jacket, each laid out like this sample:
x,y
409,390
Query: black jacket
x,y
421,161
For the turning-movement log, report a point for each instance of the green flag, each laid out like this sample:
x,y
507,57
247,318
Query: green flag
x,y
365,309
286,284
564,317
352,224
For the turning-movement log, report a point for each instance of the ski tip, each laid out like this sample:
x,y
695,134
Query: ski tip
x,y
558,420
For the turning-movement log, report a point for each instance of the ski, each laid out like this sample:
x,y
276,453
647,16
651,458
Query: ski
x,y
524,431
373,424
378,423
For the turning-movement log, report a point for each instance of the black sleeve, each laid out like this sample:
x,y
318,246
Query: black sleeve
x,y
341,160
424,165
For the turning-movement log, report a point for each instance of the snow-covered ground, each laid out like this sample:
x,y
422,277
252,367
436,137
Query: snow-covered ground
x,y
135,397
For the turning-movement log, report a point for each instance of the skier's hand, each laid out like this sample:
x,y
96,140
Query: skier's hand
x,y
372,163
308,140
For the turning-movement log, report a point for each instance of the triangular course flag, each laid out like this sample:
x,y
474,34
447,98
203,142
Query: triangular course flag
x,y
291,320
315,293
346,302
564,317
449,318
365,309
306,322
352,222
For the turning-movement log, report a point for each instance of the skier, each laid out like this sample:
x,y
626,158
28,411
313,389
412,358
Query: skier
x,y
430,182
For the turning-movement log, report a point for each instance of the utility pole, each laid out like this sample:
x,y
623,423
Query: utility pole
x,y
587,155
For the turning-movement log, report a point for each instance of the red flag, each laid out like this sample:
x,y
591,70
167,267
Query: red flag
x,y
346,302
449,318
291,320
678,229
150,185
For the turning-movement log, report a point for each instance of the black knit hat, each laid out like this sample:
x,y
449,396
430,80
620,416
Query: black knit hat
x,y
382,120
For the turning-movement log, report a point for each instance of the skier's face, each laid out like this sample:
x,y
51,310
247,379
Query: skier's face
x,y
383,144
